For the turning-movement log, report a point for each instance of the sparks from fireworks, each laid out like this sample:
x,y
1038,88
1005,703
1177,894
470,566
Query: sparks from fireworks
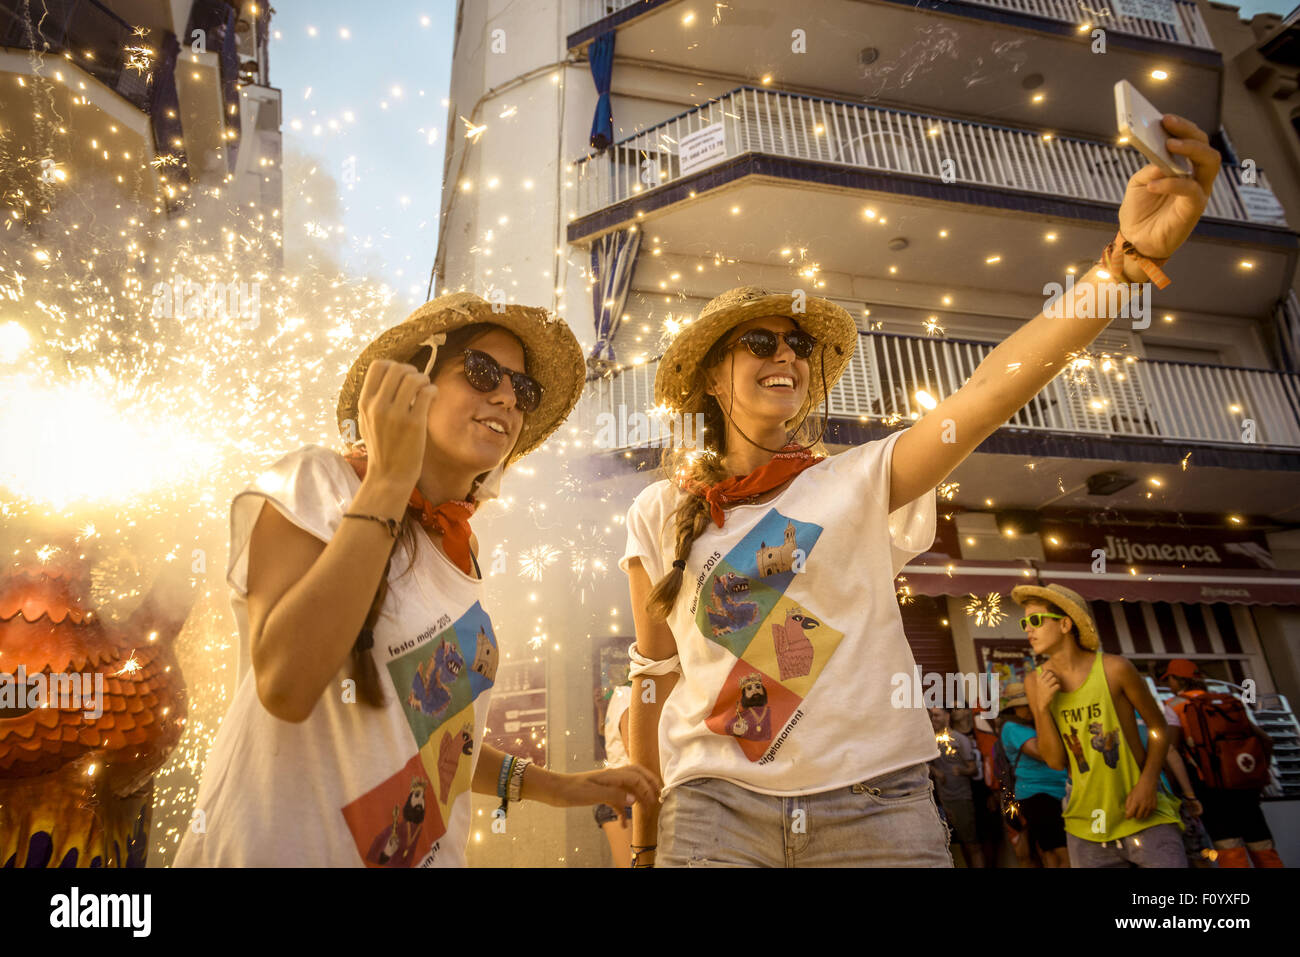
x,y
535,560
140,57
130,666
987,611
473,133
948,490
944,738
932,327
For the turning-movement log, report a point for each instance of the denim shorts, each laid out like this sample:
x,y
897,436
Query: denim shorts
x,y
1158,846
888,821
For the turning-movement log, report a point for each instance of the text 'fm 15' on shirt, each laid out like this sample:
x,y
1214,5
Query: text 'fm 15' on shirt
x,y
352,785
789,632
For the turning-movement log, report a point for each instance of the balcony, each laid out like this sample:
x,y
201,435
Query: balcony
x,y
968,59
751,120
1113,395
1189,30
799,159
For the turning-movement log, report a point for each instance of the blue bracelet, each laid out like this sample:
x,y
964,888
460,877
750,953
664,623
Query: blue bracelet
x,y
502,778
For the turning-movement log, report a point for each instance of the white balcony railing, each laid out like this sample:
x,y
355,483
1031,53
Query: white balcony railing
x,y
1189,31
1115,395
753,120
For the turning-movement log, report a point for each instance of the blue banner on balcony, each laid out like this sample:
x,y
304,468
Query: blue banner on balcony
x,y
613,258
602,71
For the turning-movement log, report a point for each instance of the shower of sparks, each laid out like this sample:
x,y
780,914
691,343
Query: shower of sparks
x,y
986,611
533,561
904,593
932,327
536,642
130,666
892,419
944,737
130,422
948,490
1186,458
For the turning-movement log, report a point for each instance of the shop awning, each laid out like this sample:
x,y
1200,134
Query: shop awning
x,y
1188,585
960,577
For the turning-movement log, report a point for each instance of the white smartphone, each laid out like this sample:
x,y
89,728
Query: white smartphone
x,y
1140,122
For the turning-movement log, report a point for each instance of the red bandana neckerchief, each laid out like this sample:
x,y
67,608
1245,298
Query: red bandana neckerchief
x,y
783,466
450,520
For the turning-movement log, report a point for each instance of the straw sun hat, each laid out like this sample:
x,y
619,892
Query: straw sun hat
x,y
552,356
834,329
1068,601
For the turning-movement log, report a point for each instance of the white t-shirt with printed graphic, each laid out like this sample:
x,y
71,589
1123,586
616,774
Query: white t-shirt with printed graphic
x,y
352,785
789,633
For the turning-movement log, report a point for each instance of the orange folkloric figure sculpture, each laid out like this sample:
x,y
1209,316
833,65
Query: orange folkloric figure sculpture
x,y
76,776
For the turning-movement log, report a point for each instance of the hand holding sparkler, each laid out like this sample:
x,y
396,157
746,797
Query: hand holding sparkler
x,y
394,410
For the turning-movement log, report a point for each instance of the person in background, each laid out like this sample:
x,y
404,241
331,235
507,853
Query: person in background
x,y
1232,814
1083,702
1196,840
952,772
617,827
1039,789
988,823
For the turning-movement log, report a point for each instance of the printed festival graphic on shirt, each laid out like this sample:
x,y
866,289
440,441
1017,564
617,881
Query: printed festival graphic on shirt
x,y
1085,736
437,679
780,646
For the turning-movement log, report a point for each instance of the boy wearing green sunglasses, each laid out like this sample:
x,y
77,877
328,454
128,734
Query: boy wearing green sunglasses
x,y
1083,703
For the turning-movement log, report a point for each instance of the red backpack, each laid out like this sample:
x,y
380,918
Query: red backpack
x,y
1222,743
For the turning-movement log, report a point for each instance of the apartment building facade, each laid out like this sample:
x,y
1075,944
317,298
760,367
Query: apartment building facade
x,y
931,167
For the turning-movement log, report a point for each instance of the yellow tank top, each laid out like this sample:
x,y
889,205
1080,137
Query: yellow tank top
x,y
1102,767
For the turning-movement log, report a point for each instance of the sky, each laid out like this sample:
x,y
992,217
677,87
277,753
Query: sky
x,y
364,91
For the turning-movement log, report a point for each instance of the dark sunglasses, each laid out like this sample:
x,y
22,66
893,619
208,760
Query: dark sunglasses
x,y
484,373
1036,619
762,343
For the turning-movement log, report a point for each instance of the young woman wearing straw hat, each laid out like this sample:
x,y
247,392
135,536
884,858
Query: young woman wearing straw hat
x,y
768,635
356,735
